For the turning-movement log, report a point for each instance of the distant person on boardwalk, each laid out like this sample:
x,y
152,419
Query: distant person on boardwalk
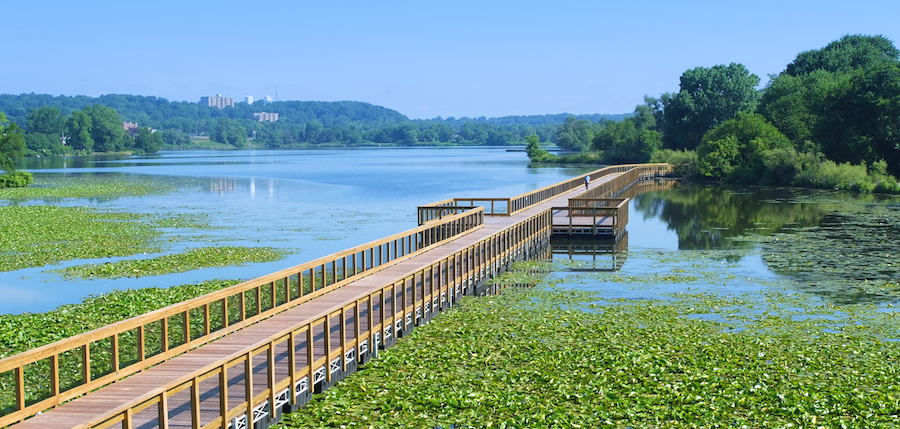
x,y
587,181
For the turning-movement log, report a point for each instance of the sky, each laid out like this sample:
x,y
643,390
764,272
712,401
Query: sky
x,y
422,58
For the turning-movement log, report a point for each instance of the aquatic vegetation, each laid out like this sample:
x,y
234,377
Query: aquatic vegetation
x,y
34,236
86,186
528,358
193,259
21,332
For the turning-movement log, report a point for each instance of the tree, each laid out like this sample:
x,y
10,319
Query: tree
x,y
229,131
12,145
860,120
576,134
534,150
106,128
312,131
631,140
843,99
175,137
849,53
707,97
737,144
46,120
148,140
78,131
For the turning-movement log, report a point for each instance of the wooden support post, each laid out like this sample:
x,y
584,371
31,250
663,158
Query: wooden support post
x,y
310,357
54,375
223,395
165,334
86,363
271,379
186,317
248,386
292,366
242,301
114,353
163,411
20,388
141,344
128,419
327,347
195,403
224,312
343,333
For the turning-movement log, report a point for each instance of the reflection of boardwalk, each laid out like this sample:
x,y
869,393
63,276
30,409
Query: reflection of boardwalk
x,y
239,357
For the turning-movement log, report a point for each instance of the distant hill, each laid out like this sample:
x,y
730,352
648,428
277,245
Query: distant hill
x,y
531,120
301,123
161,113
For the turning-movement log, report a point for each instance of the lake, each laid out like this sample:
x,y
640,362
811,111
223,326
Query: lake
x,y
317,202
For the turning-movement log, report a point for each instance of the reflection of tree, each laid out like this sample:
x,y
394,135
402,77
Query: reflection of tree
x,y
708,217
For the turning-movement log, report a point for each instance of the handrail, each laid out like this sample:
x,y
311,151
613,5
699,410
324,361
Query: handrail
x,y
180,327
342,329
513,205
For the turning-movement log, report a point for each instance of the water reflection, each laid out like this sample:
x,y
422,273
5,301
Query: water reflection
x,y
712,217
595,255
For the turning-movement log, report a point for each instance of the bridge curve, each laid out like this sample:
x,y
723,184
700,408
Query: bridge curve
x,y
239,357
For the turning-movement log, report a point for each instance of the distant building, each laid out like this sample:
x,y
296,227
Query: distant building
x,y
268,99
249,99
217,101
131,128
266,117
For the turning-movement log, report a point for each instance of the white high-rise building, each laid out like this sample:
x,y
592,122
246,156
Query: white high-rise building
x,y
249,99
268,98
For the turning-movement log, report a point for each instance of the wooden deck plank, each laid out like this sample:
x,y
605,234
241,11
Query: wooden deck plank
x,y
151,382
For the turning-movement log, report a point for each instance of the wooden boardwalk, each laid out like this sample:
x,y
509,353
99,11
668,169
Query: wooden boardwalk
x,y
271,361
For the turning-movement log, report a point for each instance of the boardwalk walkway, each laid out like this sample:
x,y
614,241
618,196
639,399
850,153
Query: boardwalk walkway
x,y
253,374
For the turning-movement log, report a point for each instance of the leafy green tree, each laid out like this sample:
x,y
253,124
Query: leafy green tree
x,y
148,140
736,144
576,134
106,129
175,137
631,140
229,131
860,121
46,120
707,97
841,99
849,53
78,131
534,150
312,131
12,145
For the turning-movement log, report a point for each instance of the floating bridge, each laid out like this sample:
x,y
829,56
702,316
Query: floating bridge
x,y
240,357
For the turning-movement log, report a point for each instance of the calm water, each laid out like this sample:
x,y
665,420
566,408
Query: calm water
x,y
317,202
312,202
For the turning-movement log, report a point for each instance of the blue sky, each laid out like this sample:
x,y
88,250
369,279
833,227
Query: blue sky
x,y
422,58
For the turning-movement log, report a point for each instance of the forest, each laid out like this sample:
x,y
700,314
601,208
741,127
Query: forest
x,y
57,125
831,119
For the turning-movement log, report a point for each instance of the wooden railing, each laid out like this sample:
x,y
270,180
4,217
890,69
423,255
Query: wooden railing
x,y
511,206
613,208
433,213
49,375
359,326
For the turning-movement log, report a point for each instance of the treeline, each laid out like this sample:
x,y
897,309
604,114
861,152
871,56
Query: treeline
x,y
831,119
300,123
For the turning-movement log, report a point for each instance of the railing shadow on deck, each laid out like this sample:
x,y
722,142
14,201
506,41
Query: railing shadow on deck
x,y
44,377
